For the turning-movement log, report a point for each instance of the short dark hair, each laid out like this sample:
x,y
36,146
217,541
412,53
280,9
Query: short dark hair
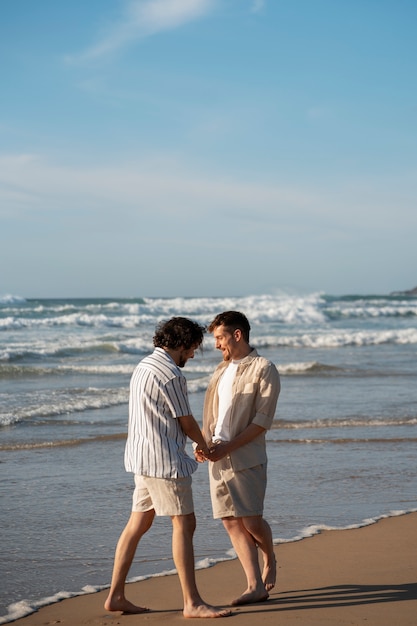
x,y
232,320
178,332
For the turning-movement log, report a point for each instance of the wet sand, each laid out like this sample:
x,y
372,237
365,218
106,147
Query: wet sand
x,y
360,576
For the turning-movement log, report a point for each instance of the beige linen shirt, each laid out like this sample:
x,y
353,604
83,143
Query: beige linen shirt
x,y
255,394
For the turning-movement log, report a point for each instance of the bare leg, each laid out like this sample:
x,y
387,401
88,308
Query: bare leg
x,y
247,552
136,527
261,532
183,527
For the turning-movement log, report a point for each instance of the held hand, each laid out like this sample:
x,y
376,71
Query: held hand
x,y
200,456
201,452
218,451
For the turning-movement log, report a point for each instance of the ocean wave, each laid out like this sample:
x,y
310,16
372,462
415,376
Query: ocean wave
x,y
62,403
315,529
198,385
404,309
262,309
353,422
340,339
345,441
288,308
71,346
80,441
28,371
310,309
9,300
60,443
12,370
84,319
308,367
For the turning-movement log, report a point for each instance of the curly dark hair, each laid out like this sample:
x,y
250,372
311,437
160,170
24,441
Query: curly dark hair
x,y
231,320
178,332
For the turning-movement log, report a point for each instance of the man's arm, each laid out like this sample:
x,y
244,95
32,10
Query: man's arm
x,y
193,431
222,449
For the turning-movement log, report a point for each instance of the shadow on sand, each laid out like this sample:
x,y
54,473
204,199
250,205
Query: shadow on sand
x,y
338,596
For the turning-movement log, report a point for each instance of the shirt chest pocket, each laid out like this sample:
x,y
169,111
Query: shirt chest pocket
x,y
249,388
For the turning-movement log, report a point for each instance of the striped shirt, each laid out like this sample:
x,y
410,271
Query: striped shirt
x,y
156,442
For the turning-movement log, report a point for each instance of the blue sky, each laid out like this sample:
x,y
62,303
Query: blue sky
x,y
207,147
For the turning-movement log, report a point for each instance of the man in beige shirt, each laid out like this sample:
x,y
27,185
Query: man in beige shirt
x,y
239,408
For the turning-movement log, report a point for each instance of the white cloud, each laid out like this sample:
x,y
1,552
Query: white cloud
x,y
143,18
163,186
258,6
116,215
319,112
157,185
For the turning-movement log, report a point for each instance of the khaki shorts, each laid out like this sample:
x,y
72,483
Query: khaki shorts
x,y
168,496
236,494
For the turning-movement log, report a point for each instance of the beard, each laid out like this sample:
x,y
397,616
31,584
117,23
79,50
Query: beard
x,y
182,362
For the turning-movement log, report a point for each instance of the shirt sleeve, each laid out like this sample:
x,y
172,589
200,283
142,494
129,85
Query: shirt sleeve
x,y
267,397
177,396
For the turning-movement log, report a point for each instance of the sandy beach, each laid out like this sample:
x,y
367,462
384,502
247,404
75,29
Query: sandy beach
x,y
365,575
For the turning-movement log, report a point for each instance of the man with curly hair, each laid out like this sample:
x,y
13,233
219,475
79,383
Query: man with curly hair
x,y
160,421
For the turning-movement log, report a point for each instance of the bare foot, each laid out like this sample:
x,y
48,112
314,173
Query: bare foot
x,y
269,575
205,610
250,597
124,606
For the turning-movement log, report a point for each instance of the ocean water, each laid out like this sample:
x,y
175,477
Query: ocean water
x,y
342,451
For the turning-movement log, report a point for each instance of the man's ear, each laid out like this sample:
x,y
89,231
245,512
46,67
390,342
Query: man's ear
x,y
237,334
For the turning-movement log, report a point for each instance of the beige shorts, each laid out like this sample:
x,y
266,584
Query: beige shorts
x,y
168,496
236,494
